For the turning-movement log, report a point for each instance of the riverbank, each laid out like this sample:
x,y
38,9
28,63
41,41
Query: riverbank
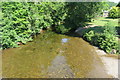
x,y
110,62
105,35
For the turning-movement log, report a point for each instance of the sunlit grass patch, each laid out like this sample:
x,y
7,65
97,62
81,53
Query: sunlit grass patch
x,y
101,21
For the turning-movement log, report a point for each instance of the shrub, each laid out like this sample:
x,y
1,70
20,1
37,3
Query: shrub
x,y
106,41
62,29
114,12
20,20
88,36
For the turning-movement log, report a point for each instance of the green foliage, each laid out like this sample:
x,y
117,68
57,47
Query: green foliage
x,y
110,28
61,29
80,12
114,12
21,20
111,4
107,5
14,25
89,35
106,40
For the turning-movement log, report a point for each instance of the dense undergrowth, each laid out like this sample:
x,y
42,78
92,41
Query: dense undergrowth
x,y
21,20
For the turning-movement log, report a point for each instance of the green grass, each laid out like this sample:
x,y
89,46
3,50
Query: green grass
x,y
101,21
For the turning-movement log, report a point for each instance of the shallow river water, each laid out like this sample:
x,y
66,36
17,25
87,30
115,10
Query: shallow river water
x,y
52,55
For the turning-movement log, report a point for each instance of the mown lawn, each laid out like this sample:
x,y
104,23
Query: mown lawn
x,y
101,21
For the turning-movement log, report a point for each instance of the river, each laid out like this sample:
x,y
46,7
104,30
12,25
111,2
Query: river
x,y
52,55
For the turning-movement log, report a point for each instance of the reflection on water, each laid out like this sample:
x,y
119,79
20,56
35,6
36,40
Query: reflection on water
x,y
46,57
64,40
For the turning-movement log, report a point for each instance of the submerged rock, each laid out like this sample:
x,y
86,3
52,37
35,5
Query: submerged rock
x,y
113,51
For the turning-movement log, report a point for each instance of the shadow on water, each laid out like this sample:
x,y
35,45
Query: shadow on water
x,y
72,34
47,57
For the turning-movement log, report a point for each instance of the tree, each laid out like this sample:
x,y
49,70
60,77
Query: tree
x,y
114,12
111,4
118,5
80,12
